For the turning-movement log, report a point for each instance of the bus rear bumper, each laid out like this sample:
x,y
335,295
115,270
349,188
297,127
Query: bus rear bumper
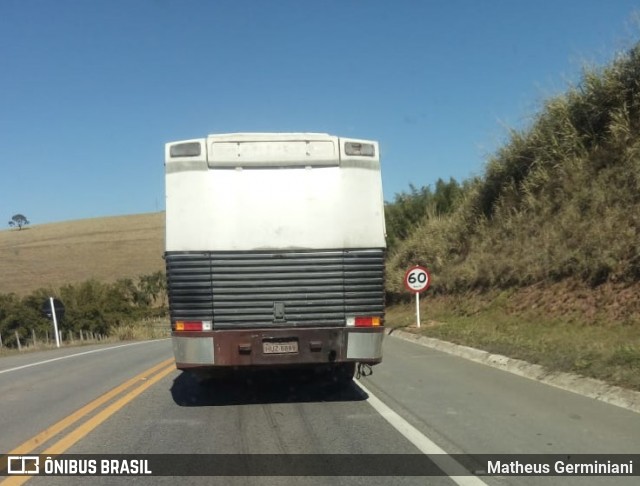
x,y
277,347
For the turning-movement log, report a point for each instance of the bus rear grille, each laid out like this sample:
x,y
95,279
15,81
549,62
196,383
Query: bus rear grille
x,y
270,289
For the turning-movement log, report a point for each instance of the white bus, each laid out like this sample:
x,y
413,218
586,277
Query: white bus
x,y
275,249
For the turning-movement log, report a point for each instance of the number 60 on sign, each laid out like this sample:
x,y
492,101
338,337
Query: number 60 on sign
x,y
417,279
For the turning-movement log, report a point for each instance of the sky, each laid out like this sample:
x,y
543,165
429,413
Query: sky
x,y
91,90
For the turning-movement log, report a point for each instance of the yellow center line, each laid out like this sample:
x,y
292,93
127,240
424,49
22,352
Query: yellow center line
x,y
82,430
50,432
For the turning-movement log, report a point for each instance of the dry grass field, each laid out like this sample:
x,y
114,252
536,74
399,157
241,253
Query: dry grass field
x,y
106,249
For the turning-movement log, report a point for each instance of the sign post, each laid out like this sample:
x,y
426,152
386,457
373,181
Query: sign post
x,y
417,279
55,321
52,309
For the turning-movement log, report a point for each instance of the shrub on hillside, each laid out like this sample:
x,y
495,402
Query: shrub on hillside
x,y
90,306
409,208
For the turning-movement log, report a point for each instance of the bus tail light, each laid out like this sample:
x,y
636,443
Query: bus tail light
x,y
193,326
363,321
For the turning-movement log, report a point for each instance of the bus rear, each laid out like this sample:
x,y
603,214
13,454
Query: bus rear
x,y
275,252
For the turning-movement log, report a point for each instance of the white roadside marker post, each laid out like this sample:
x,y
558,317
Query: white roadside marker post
x,y
55,321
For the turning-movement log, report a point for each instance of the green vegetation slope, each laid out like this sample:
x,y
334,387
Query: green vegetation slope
x,y
560,200
539,258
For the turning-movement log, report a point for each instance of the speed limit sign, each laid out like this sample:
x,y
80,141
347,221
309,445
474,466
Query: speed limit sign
x,y
417,279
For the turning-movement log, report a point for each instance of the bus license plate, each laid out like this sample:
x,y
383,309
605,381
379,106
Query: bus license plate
x,y
280,348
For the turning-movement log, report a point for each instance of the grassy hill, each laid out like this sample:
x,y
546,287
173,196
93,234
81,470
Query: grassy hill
x,y
539,258
560,200
105,249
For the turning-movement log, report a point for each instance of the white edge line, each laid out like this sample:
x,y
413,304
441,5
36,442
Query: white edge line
x,y
418,439
78,354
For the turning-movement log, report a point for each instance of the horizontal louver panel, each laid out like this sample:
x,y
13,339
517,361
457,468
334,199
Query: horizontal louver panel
x,y
189,286
315,288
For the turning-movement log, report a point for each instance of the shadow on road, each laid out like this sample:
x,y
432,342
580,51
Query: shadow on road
x,y
260,388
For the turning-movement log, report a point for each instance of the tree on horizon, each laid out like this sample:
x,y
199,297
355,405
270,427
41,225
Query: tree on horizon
x,y
18,220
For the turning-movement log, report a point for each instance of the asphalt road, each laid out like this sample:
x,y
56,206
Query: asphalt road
x,y
436,400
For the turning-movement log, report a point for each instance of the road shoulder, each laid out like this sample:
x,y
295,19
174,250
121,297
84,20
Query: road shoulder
x,y
588,387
